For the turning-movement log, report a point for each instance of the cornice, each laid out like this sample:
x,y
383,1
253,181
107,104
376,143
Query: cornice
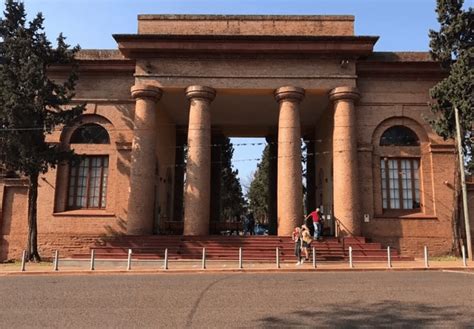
x,y
146,45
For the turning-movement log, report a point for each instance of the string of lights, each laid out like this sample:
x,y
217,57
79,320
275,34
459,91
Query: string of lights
x,y
410,122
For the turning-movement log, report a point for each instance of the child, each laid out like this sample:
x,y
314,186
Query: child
x,y
306,240
296,237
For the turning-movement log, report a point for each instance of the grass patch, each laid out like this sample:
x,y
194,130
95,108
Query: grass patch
x,y
447,258
18,264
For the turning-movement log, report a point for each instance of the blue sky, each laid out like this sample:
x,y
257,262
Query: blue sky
x,y
401,24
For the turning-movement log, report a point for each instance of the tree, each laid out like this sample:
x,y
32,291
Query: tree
x,y
453,47
232,198
31,104
258,191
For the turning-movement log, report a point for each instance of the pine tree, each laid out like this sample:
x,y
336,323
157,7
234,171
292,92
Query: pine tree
x,y
232,198
31,104
453,47
258,190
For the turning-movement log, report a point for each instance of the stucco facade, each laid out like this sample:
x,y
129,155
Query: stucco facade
x,y
185,79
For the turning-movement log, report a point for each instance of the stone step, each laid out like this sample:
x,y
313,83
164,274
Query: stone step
x,y
227,248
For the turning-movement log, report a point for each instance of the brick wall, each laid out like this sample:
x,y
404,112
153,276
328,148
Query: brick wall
x,y
470,201
388,101
13,219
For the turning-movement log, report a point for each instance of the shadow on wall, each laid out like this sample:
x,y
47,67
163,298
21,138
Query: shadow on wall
x,y
123,164
113,232
4,247
387,314
127,117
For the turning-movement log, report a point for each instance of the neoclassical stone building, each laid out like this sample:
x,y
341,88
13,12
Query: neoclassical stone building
x,y
374,165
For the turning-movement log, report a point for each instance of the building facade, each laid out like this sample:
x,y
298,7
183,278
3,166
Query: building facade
x,y
157,107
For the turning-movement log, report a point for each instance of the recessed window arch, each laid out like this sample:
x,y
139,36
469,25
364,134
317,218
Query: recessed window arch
x,y
399,136
90,133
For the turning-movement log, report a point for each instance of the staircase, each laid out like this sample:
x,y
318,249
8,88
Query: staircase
x,y
226,248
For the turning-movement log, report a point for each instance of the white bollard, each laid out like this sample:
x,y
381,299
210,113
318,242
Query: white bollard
x,y
389,258
129,260
56,261
464,259
203,258
314,257
240,258
426,257
23,261
351,265
277,257
92,260
165,266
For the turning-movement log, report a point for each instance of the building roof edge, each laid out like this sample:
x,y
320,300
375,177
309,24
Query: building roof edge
x,y
400,56
248,17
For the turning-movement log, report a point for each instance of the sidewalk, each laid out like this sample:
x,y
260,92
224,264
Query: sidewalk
x,y
68,266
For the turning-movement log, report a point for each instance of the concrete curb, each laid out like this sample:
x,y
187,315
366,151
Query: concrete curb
x,y
236,271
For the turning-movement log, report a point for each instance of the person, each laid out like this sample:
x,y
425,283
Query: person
x,y
316,216
309,224
251,223
296,237
245,222
306,240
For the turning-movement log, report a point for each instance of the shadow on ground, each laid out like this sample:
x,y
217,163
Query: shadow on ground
x,y
387,314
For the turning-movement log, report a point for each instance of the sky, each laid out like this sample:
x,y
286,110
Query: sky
x,y
402,25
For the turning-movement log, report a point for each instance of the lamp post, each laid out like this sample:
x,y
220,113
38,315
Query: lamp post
x,y
463,185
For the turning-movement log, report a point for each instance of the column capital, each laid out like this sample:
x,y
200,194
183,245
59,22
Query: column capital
x,y
289,93
345,92
146,91
203,92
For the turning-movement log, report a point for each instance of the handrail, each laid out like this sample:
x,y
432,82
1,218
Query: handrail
x,y
338,225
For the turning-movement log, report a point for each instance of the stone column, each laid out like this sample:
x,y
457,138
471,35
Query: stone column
x,y
346,200
290,188
143,161
197,194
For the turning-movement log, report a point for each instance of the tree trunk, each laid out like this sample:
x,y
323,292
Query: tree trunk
x,y
32,245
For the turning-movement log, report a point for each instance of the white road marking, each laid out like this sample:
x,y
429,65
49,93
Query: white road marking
x,y
463,272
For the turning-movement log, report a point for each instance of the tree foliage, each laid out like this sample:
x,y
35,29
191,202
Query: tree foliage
x,y
31,104
232,199
452,45
257,194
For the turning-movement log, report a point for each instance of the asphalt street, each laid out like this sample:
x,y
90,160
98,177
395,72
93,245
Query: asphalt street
x,y
239,300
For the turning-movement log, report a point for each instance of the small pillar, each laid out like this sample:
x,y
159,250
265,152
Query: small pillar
x,y
346,200
143,161
197,193
290,185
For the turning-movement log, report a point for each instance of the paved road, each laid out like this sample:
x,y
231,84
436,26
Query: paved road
x,y
362,299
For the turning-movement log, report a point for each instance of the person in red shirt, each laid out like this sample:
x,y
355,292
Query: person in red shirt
x,y
316,215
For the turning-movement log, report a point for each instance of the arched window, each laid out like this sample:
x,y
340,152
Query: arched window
x,y
400,175
88,177
399,136
90,133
